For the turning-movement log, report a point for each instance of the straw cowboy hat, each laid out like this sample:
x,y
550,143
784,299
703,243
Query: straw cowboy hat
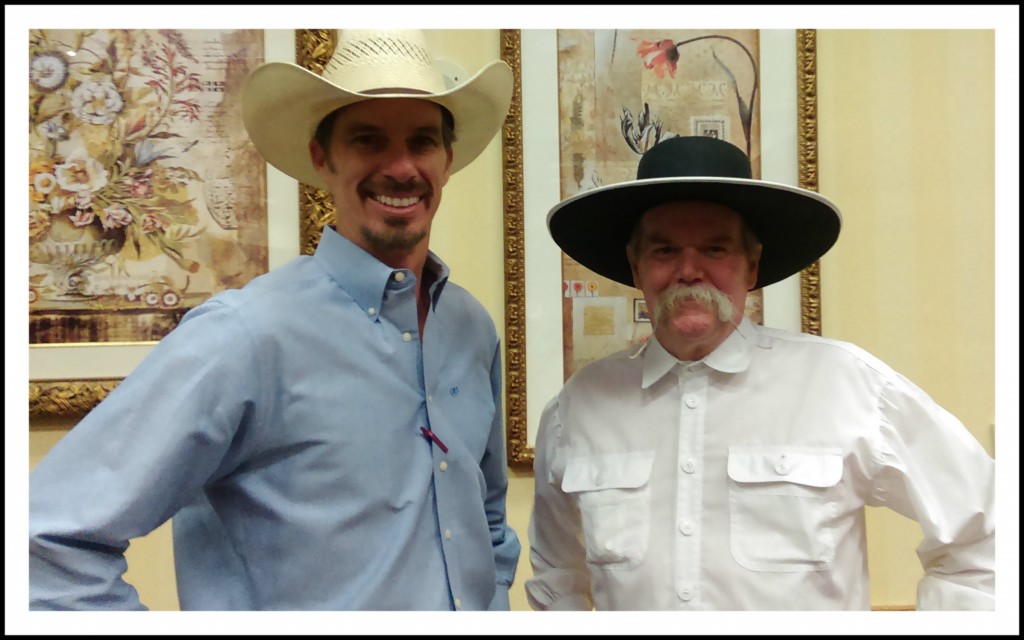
x,y
795,226
282,103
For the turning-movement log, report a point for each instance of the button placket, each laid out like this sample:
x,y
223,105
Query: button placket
x,y
692,398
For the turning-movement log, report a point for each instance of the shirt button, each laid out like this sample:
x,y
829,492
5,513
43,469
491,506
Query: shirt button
x,y
406,336
399,276
447,534
443,466
458,603
689,466
371,311
687,528
782,467
691,401
686,592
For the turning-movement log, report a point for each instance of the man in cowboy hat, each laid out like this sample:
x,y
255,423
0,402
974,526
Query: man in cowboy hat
x,y
330,435
725,465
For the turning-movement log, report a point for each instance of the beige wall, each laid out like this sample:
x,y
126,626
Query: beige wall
x,y
906,133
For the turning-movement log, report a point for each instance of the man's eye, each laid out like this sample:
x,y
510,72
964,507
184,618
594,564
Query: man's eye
x,y
425,142
369,140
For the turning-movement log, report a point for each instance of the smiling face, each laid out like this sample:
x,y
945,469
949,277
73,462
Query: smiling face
x,y
385,166
700,245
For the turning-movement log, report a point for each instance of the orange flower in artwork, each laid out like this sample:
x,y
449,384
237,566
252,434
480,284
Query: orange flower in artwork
x,y
659,56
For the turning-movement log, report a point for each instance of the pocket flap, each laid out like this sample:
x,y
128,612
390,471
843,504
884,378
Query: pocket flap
x,y
612,471
813,468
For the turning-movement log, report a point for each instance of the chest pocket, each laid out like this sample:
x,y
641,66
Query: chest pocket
x,y
782,507
613,494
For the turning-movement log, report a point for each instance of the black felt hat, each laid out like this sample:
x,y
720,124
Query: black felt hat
x,y
795,226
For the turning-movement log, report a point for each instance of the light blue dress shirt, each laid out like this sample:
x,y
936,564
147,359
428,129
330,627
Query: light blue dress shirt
x,y
282,425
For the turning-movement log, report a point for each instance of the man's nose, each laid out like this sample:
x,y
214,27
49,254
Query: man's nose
x,y
690,267
399,165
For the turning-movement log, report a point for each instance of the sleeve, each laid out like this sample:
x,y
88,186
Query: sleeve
x,y
935,472
560,580
495,469
136,458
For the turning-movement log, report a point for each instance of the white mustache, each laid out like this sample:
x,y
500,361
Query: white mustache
x,y
703,293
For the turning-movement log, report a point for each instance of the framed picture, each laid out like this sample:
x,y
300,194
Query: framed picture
x,y
540,161
145,196
640,313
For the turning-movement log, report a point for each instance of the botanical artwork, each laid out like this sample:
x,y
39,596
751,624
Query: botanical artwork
x,y
620,92
146,196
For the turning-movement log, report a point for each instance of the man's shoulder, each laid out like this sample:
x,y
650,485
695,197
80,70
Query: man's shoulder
x,y
826,348
277,289
619,366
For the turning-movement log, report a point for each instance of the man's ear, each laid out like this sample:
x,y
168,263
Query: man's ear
x,y
633,265
448,167
753,265
317,155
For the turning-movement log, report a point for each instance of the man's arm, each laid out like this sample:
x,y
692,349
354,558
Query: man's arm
x,y
560,577
936,473
130,464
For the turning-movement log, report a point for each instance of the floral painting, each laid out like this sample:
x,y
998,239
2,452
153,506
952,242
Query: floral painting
x,y
620,92
145,195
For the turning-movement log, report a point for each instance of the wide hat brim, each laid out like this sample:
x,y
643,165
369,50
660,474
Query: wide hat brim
x,y
282,104
795,226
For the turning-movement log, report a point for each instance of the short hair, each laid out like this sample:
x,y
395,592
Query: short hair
x,y
325,129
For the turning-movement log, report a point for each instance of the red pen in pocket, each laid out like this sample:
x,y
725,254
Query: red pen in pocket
x,y
432,436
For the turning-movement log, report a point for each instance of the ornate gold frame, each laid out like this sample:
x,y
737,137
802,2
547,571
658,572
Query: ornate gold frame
x,y
520,454
313,48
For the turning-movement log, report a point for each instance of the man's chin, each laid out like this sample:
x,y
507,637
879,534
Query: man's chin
x,y
394,239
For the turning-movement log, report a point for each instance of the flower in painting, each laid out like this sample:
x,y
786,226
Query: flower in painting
x,y
141,185
54,131
82,217
48,71
41,180
659,56
663,55
104,138
170,298
81,173
96,102
38,223
645,132
44,183
152,223
114,216
152,298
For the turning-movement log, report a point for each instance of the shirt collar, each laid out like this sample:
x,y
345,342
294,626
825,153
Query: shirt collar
x,y
732,356
363,276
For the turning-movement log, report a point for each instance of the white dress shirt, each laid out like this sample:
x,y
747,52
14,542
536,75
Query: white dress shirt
x,y
738,482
